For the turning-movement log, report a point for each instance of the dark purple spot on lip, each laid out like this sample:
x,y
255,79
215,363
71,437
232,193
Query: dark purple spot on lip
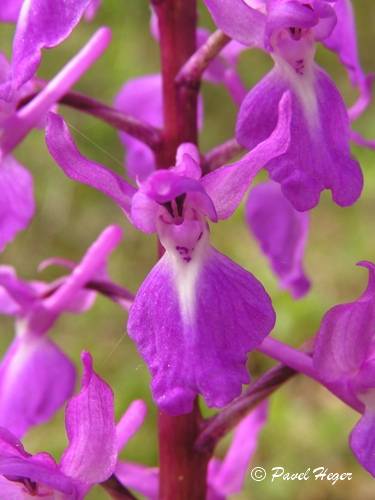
x,y
200,236
299,66
182,250
296,33
187,259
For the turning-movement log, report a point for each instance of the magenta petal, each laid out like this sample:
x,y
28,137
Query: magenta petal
x,y
281,232
47,478
22,469
346,334
90,425
238,20
41,25
17,294
228,477
283,15
194,323
143,480
10,10
227,185
318,156
166,185
17,199
36,379
62,148
362,441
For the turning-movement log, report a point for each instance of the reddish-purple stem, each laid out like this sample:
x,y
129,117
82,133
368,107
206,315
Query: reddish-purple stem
x,y
140,130
221,154
182,468
192,71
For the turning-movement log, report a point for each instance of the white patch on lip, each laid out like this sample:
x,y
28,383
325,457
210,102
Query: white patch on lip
x,y
186,276
186,254
304,87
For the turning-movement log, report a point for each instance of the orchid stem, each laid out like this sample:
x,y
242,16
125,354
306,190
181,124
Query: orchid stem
x,y
149,135
294,362
116,490
225,421
182,468
191,73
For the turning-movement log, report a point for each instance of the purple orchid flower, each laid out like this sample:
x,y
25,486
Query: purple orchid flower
x,y
319,156
34,32
224,478
281,232
89,459
33,363
178,320
344,357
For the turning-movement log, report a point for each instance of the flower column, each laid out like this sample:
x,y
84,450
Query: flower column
x,y
182,469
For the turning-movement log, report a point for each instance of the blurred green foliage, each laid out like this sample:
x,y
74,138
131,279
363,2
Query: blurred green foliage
x,y
307,426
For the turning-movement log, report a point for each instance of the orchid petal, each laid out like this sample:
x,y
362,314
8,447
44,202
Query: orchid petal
x,y
90,425
62,148
41,25
10,10
36,379
281,232
17,199
230,476
19,291
144,480
238,20
318,156
227,185
346,334
194,339
362,441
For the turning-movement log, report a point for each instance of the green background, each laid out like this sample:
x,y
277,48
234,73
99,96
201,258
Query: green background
x,y
307,426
